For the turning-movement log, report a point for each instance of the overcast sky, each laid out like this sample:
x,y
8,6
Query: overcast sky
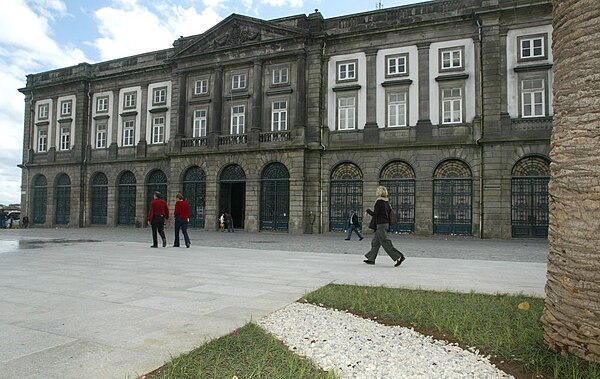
x,y
40,35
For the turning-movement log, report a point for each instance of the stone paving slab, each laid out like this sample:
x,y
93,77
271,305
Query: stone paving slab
x,y
119,309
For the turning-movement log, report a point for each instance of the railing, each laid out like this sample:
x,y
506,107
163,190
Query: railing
x,y
280,136
236,139
532,124
194,142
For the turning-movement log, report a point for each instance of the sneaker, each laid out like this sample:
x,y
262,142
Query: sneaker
x,y
369,262
187,245
399,261
346,239
361,238
164,243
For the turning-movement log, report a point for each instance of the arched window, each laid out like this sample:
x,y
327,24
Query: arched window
x,y
452,198
40,198
63,199
275,197
194,191
399,179
99,198
345,194
529,197
127,197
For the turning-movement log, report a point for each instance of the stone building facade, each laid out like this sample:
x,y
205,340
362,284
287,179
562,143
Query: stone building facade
x,y
291,123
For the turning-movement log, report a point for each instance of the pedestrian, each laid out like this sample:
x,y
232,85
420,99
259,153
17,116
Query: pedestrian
x,y
380,223
182,219
229,221
25,222
157,216
222,222
353,226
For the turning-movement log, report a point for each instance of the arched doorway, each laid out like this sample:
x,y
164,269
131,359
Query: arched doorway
x,y
63,199
157,182
399,179
194,191
529,193
452,198
40,198
126,200
345,194
275,197
99,198
232,194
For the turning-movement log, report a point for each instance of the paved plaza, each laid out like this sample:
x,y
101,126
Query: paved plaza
x,y
99,303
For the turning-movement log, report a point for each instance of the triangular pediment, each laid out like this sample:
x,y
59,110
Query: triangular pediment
x,y
234,32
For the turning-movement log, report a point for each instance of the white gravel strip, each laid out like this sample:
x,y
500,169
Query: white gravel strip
x,y
359,348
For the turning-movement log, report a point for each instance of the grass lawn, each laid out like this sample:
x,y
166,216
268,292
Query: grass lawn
x,y
495,324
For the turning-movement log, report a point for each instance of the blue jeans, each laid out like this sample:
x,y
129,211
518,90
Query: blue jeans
x,y
353,228
181,224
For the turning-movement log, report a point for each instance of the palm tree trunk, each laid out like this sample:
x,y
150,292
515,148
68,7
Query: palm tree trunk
x,y
572,314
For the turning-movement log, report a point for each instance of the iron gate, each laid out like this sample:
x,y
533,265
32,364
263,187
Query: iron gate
x,y
194,191
127,197
157,182
99,198
399,179
275,198
452,199
40,197
63,199
346,194
529,203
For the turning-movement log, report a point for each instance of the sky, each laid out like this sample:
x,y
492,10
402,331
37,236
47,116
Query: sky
x,y
41,35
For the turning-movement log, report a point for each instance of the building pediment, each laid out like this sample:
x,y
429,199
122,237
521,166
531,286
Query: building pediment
x,y
234,32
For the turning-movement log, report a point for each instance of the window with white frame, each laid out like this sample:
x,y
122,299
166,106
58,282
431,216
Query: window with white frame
x,y
238,119
128,132
158,129
42,140
238,81
200,123
159,96
65,138
65,108
532,47
280,75
101,136
346,71
396,109
451,59
346,113
201,87
451,105
129,100
102,104
533,96
43,111
279,116
397,65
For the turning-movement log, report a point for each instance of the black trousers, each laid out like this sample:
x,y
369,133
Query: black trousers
x,y
158,225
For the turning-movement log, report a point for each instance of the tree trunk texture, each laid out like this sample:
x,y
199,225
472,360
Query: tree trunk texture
x,y
572,314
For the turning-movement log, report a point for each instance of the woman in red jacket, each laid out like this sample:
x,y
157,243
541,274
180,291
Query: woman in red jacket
x,y
159,213
182,218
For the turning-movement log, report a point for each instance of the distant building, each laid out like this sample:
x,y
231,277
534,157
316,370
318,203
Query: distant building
x,y
290,123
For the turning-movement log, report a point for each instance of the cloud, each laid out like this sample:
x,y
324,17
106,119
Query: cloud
x,y
283,3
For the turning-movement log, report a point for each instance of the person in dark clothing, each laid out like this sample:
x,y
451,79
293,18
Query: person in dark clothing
x,y
229,221
182,218
157,216
353,226
381,215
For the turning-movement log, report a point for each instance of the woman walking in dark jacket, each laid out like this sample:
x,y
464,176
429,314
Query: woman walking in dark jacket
x,y
381,215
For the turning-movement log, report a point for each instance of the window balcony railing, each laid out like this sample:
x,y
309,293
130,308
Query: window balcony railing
x,y
280,136
235,139
194,142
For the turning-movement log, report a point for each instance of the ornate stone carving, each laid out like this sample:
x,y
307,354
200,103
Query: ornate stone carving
x,y
237,35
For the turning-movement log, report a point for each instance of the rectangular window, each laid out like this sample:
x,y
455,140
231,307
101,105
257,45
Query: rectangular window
x,y
532,47
238,81
159,96
102,104
158,129
42,140
397,109
347,71
128,130
451,59
201,87
279,116
396,65
65,108
280,75
65,138
100,136
346,111
43,111
129,100
533,98
200,123
238,119
452,106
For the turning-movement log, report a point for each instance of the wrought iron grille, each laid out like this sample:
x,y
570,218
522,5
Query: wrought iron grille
x,y
233,173
40,198
194,191
346,194
127,195
529,205
452,198
275,198
399,179
63,199
99,198
157,182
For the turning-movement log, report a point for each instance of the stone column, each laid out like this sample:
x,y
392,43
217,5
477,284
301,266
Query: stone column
x,y
257,104
371,131
214,125
424,127
300,117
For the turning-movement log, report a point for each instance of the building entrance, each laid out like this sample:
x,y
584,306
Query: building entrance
x,y
232,194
